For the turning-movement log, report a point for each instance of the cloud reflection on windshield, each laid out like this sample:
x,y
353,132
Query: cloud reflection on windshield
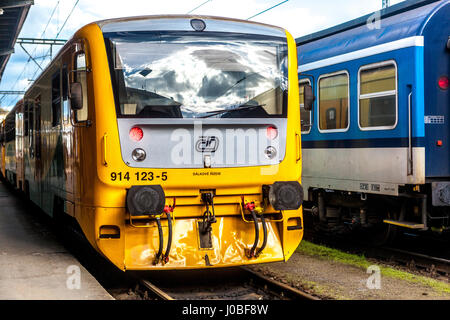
x,y
201,76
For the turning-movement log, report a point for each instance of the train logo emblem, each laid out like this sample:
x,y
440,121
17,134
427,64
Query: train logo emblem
x,y
207,144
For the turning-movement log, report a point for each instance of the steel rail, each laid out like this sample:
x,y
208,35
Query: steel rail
x,y
422,260
155,290
287,290
257,280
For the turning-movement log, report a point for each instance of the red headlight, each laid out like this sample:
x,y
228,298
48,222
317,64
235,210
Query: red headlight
x,y
272,132
136,134
443,83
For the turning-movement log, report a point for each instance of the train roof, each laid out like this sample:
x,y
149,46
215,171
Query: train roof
x,y
182,23
404,20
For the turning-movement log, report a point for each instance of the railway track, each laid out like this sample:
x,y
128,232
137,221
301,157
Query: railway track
x,y
417,253
226,284
416,260
432,265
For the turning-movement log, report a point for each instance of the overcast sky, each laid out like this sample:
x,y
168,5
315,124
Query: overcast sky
x,y
299,17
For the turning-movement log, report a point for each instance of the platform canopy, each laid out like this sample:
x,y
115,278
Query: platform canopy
x,y
12,17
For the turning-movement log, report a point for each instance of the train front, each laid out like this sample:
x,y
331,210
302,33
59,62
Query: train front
x,y
200,145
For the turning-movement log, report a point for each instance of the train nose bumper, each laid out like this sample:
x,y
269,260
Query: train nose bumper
x,y
225,245
133,245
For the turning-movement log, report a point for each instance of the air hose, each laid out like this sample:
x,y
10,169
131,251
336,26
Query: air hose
x,y
161,241
265,236
169,241
253,210
168,210
255,243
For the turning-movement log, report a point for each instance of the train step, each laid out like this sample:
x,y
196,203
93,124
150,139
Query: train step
x,y
405,224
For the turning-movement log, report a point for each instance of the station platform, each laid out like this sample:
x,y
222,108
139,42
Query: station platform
x,y
33,264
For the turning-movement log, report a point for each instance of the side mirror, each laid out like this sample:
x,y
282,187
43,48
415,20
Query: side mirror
x,y
309,97
76,96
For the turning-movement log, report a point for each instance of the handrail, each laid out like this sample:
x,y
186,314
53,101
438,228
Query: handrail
x,y
105,162
410,149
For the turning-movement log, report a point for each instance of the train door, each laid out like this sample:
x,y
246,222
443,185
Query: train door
x,y
437,95
25,144
67,131
19,146
2,146
80,121
38,148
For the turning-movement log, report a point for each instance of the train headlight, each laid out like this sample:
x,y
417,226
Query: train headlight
x,y
146,200
286,195
139,154
270,152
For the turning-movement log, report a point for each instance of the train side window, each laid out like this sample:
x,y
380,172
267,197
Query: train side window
x,y
378,96
18,125
56,99
10,127
80,75
305,116
334,102
65,95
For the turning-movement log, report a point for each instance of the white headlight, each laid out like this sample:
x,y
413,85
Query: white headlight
x,y
139,155
270,152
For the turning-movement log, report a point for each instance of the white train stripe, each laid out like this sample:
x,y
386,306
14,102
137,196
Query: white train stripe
x,y
416,41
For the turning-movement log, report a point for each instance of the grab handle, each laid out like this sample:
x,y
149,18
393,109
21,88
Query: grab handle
x,y
298,147
105,137
410,148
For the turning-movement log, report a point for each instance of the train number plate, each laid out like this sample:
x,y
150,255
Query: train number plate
x,y
139,176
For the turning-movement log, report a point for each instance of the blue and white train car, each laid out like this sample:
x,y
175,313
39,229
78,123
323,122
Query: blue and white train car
x,y
376,143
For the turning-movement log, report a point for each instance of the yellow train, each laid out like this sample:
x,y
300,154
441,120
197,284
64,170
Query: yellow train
x,y
173,141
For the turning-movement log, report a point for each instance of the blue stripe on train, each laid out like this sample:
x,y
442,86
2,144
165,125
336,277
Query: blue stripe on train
x,y
363,143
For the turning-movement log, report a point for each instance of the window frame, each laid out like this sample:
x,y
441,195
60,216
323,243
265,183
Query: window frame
x,y
111,48
378,94
65,101
327,75
80,49
307,81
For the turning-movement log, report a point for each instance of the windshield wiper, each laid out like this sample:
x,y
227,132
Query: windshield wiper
x,y
244,106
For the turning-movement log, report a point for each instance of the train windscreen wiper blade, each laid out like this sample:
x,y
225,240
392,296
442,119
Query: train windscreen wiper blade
x,y
244,106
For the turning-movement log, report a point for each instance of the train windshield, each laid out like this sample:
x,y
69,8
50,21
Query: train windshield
x,y
198,75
